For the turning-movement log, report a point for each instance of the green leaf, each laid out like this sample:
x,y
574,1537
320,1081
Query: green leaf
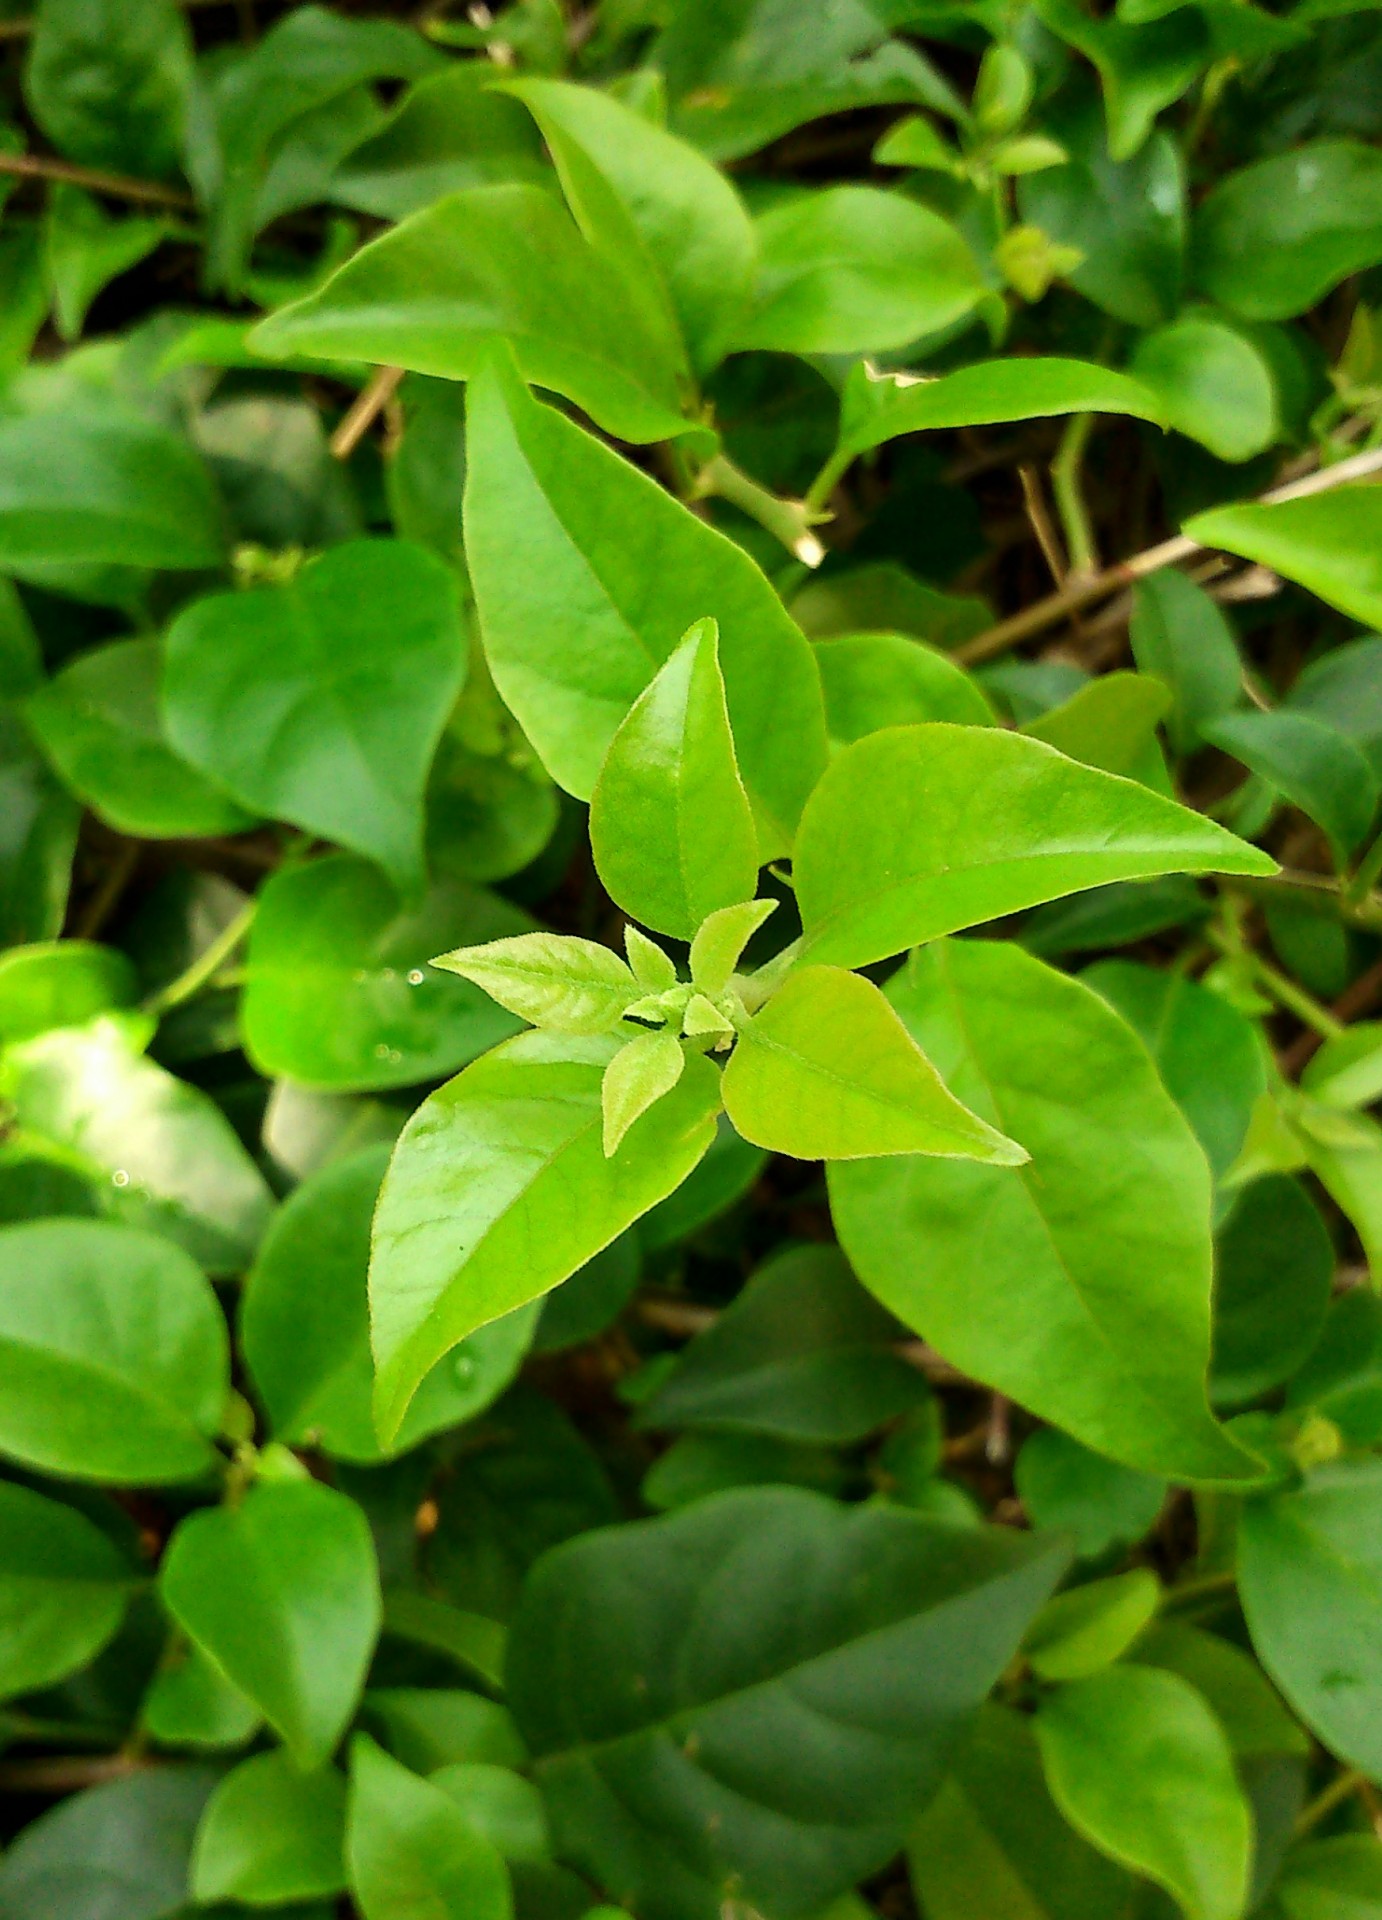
x,y
1310,1586
338,990
60,983
86,251
1143,67
94,486
670,824
1335,1879
802,1354
1110,723
304,1326
640,1074
919,831
1275,1272
554,980
64,1588
99,724
827,1071
1344,687
1317,768
1239,1694
1212,384
1086,1629
1180,636
471,1641
1063,1486
115,1364
159,1150
412,1853
877,407
719,944
500,1806
876,680
108,82
685,213
116,1852
282,1594
499,1189
191,1704
670,1694
1209,1055
449,131
271,1834
283,696
502,261
992,1843
700,1464
1079,1285
1330,543
856,270
430,1727
548,513
1345,1072
38,836
1136,1761
1274,237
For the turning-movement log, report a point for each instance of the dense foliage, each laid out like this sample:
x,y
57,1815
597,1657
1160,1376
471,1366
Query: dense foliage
x,y
690,753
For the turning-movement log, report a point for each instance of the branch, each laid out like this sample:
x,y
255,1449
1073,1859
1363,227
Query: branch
x,y
364,410
34,166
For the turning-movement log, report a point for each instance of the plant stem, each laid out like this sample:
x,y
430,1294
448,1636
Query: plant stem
x,y
1208,1586
1366,874
1282,988
819,492
33,166
207,963
1078,593
1067,486
787,520
1342,1787
364,410
1322,896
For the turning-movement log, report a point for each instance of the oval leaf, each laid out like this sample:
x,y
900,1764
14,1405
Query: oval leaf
x,y
63,1590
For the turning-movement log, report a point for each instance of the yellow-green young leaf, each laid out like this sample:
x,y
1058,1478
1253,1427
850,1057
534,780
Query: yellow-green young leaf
x,y
1328,542
282,1595
553,980
550,515
876,680
432,293
411,1852
827,1071
670,824
919,831
651,967
1087,1629
639,1074
1138,1764
1080,1285
720,940
500,1188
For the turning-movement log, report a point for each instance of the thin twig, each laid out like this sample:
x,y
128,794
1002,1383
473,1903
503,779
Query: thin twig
x,y
1358,998
66,1772
38,166
1342,1787
364,410
104,901
1046,536
206,965
1078,593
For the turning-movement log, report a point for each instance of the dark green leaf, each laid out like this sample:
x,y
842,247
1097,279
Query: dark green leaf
x,y
1180,636
116,1852
1275,1271
448,132
1317,768
1274,237
1066,1487
108,81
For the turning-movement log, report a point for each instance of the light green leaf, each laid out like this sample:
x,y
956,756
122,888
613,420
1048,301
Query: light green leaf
x,y
802,1354
856,270
720,940
827,1071
1311,1585
284,697
1136,1761
338,992
686,214
1212,384
158,1149
1331,543
651,967
548,513
644,1069
412,1853
1335,1879
449,131
190,1703
1111,724
271,1834
1273,238
473,1641
499,1189
553,980
282,1594
115,1364
304,1326
64,1588
1316,767
1180,636
877,680
1086,1629
672,1771
919,831
60,983
1079,1285
504,261
670,824
1237,1691
108,82
993,1844
502,1807
98,722
99,487
914,141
